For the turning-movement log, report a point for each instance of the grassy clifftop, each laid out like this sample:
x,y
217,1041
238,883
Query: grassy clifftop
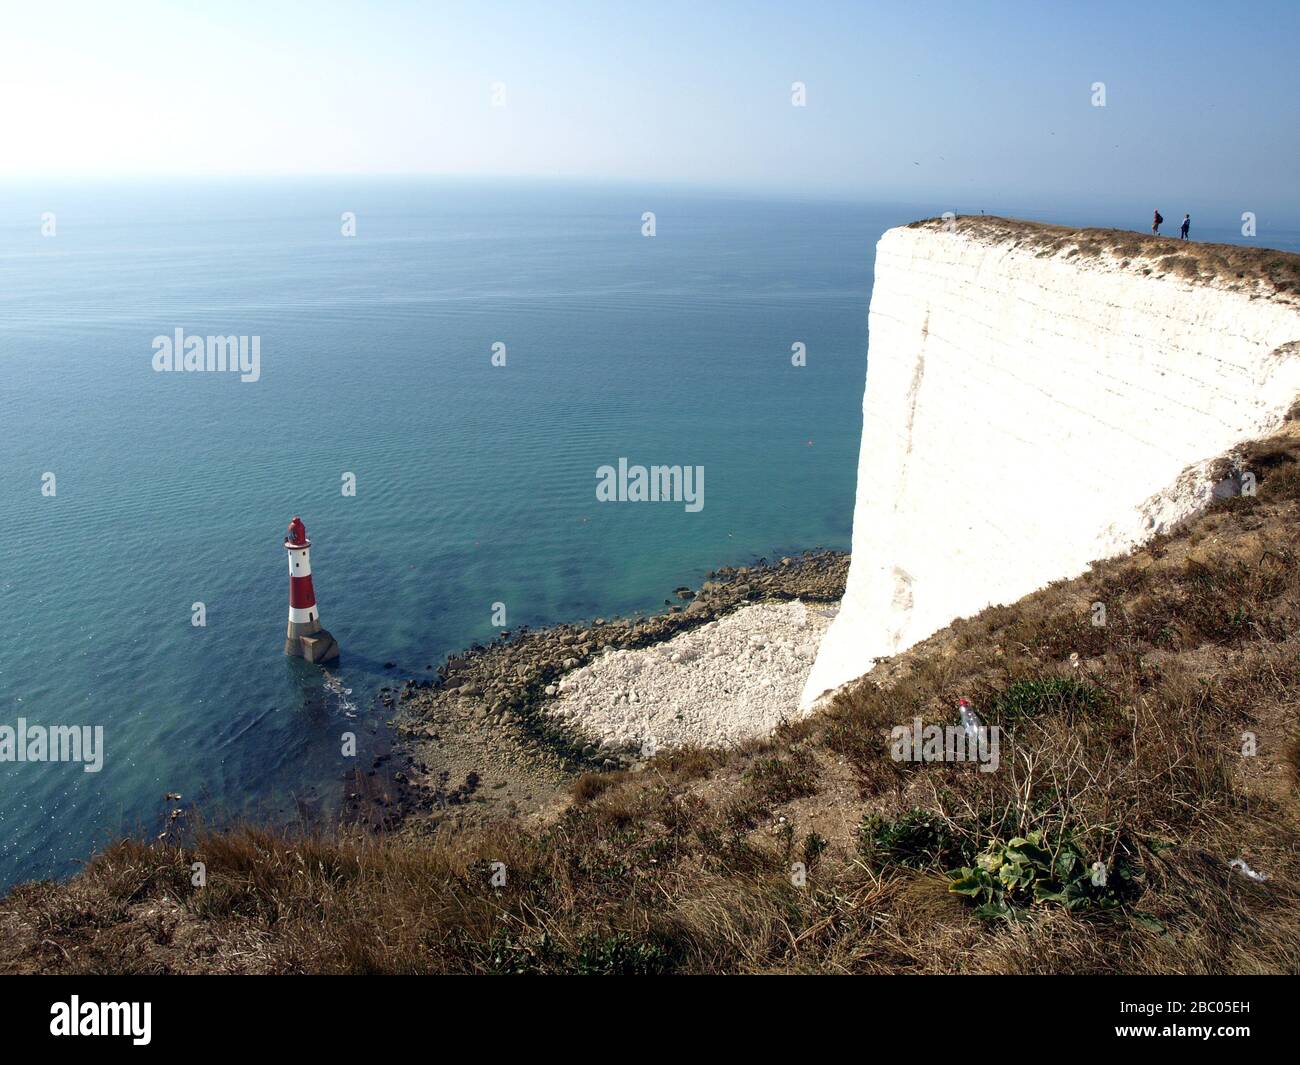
x,y
1249,269
1161,744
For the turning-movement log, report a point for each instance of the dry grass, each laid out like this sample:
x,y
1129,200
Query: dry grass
x,y
1275,273
1134,747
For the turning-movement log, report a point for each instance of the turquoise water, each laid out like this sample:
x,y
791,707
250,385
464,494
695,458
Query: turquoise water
x,y
475,483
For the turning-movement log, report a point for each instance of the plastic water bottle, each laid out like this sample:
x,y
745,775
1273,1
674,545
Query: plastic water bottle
x,y
970,721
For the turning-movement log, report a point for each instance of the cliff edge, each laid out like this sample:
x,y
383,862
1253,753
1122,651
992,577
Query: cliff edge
x,y
1038,398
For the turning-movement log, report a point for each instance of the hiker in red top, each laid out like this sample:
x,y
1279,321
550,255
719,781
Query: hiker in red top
x,y
1155,223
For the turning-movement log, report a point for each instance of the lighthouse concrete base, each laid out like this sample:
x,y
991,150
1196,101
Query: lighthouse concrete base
x,y
319,646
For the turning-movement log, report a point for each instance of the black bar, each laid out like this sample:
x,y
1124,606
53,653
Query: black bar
x,y
247,1013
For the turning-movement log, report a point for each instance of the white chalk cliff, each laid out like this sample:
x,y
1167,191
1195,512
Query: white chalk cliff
x,y
1031,408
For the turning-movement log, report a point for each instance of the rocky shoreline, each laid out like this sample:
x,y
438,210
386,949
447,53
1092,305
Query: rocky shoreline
x,y
478,733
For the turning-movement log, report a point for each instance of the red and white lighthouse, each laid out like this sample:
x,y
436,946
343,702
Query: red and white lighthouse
x,y
305,638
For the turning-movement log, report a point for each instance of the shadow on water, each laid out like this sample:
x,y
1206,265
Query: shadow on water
x,y
346,747
357,740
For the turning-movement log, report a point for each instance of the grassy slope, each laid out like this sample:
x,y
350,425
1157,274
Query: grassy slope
x,y
684,867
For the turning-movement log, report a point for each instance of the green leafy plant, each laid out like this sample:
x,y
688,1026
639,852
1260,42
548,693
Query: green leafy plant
x,y
778,780
917,839
619,955
813,846
616,954
1009,878
514,955
1029,698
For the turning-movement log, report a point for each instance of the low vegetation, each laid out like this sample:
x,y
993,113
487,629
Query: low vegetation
x,y
1139,760
1266,271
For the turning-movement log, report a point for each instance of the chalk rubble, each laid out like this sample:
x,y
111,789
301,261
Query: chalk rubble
x,y
715,685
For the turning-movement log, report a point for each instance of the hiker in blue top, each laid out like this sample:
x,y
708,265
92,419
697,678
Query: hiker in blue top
x,y
1187,224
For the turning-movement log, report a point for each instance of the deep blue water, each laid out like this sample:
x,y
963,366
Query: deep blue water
x,y
475,483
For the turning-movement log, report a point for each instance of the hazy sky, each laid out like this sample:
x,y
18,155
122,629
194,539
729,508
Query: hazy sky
x,y
903,99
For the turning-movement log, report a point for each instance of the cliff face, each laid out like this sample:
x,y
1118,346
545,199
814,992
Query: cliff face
x,y
1039,398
